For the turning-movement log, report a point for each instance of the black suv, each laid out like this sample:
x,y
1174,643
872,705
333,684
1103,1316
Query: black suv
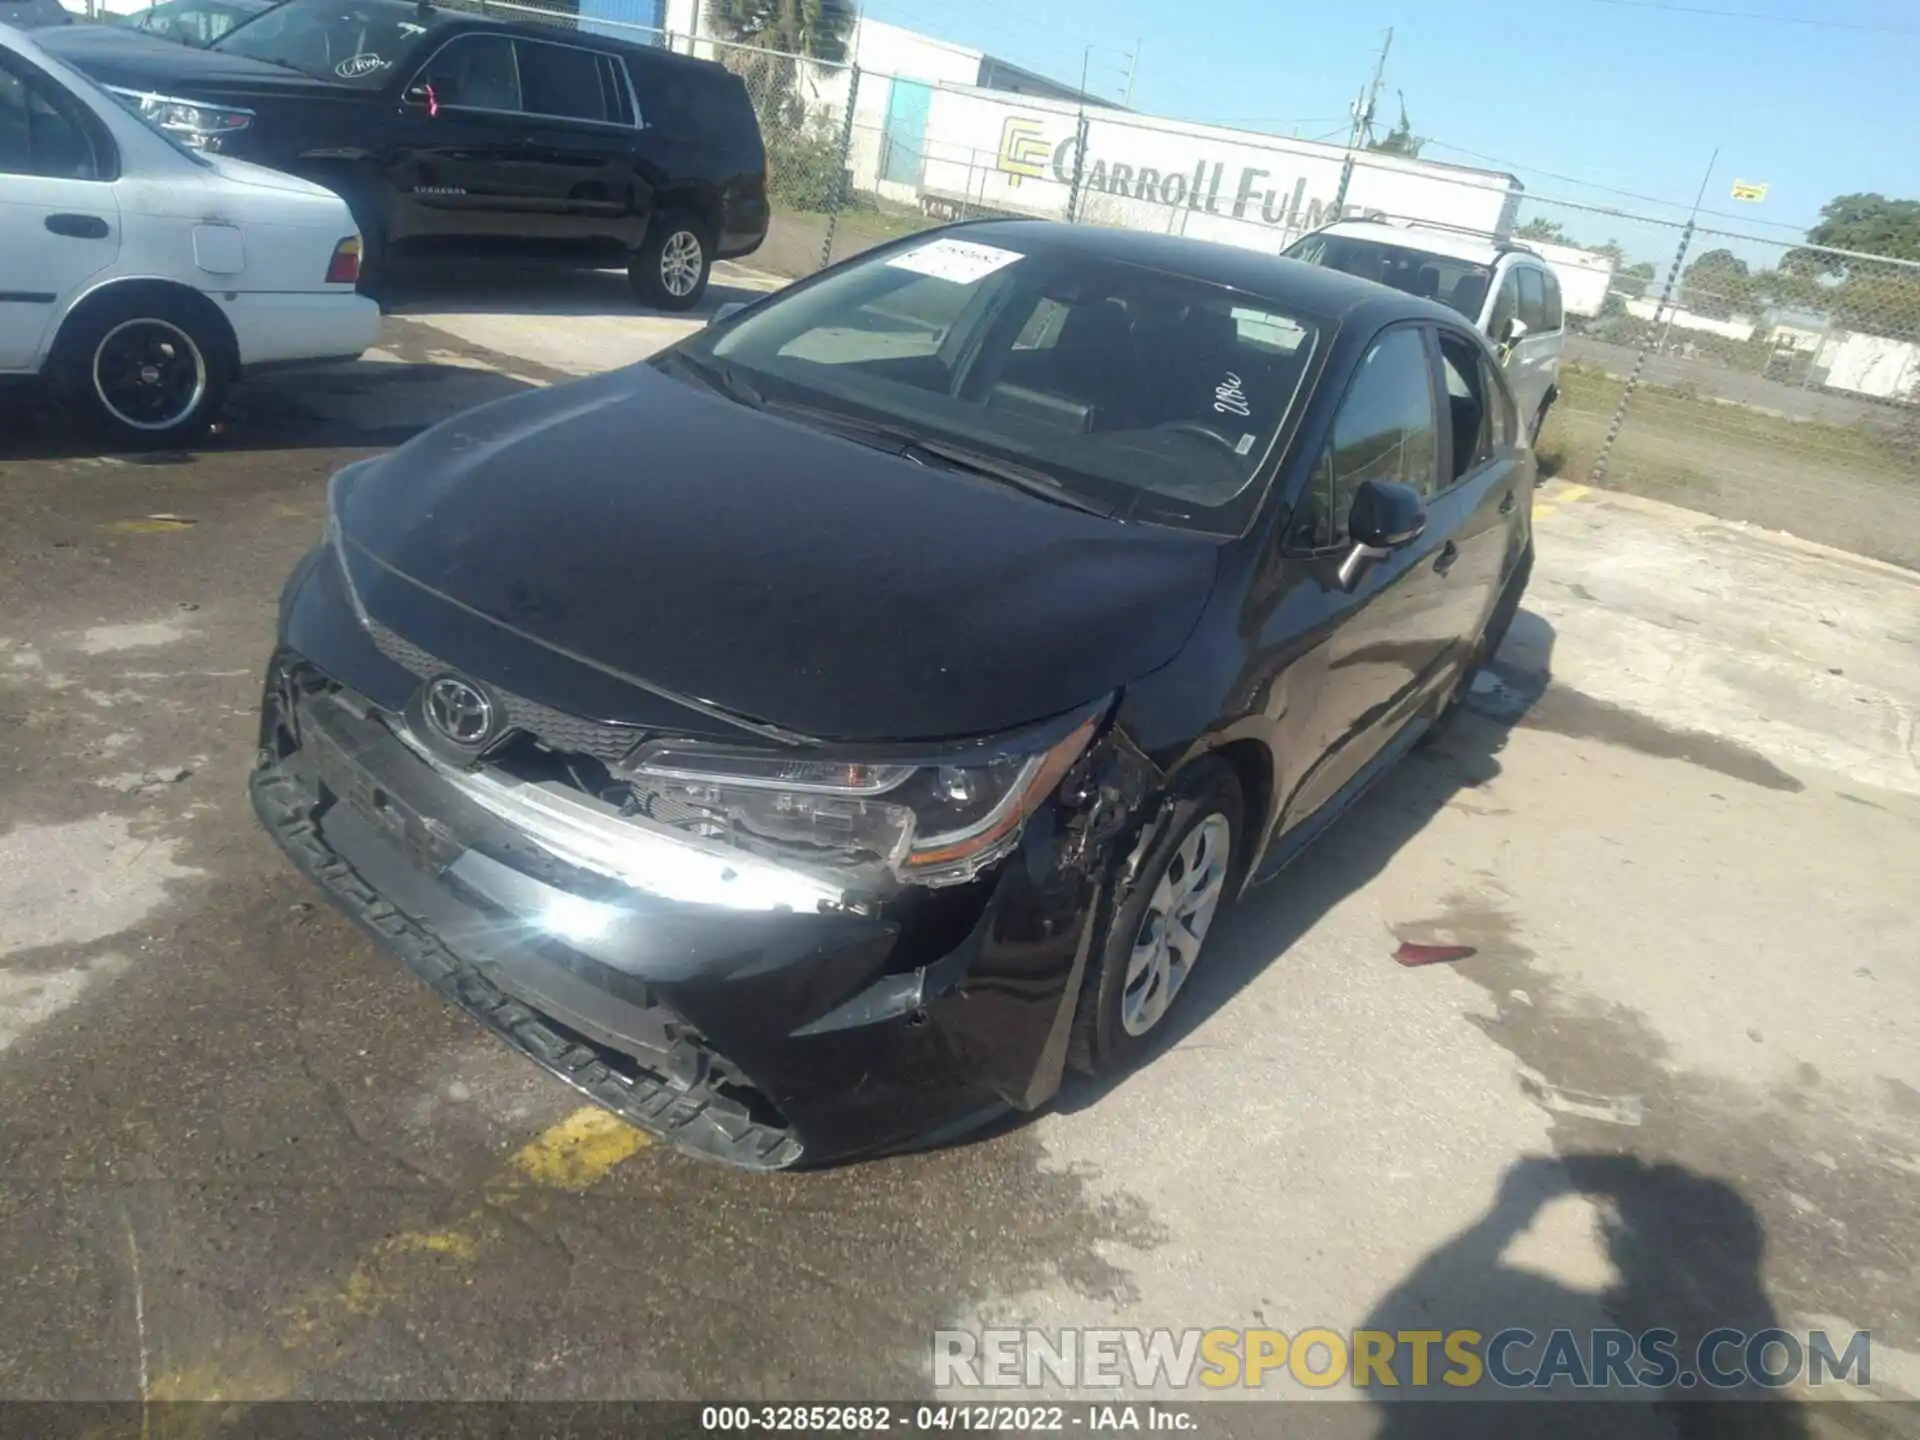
x,y
440,125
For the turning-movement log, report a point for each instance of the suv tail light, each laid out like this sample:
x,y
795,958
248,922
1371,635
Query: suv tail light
x,y
344,268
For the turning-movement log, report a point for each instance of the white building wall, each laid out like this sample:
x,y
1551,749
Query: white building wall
x,y
1871,365
1018,154
1686,320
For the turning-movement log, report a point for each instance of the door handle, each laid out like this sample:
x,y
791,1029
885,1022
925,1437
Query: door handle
x,y
79,227
1507,503
1449,553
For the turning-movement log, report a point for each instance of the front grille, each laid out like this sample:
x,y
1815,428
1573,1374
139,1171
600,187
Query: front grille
x,y
570,734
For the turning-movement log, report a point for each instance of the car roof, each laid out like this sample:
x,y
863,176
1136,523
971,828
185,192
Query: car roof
x,y
444,17
1311,291
1431,240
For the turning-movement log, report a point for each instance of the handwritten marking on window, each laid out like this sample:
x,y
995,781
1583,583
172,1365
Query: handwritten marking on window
x,y
1230,399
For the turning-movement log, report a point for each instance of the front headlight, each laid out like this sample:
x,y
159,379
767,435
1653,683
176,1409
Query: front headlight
x,y
191,122
937,821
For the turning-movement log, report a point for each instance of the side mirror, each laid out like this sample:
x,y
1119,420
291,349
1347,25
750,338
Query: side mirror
x,y
420,96
1516,329
726,311
1386,516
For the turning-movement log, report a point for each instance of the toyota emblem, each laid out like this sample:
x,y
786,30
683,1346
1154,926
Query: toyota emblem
x,y
460,711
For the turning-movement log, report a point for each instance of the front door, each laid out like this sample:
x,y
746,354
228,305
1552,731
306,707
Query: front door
x,y
59,225
1384,647
462,166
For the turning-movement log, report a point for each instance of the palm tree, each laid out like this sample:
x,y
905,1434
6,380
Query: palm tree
x,y
819,29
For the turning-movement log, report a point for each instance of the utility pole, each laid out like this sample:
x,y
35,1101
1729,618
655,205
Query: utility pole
x,y
1362,132
1133,63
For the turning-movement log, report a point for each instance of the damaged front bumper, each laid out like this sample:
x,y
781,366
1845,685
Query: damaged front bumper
x,y
733,1006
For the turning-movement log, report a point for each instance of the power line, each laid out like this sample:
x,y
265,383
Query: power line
x,y
1608,189
1752,15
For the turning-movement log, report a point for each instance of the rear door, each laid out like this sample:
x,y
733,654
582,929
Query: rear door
x,y
1482,486
59,224
579,136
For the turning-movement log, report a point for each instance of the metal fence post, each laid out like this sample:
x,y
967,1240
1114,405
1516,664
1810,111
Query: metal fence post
x,y
843,158
1079,169
1598,474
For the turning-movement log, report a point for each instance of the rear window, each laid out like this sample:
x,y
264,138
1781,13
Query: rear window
x,y
713,106
1458,284
564,80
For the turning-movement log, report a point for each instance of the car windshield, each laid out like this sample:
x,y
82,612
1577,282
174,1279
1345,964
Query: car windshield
x,y
1134,391
1459,284
340,40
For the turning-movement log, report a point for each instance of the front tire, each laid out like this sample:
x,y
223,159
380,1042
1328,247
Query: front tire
x,y
1156,935
145,371
671,268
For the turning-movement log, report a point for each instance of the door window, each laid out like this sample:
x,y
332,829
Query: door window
x,y
1554,317
1533,299
1506,307
1474,405
564,81
476,72
41,133
1499,404
1385,430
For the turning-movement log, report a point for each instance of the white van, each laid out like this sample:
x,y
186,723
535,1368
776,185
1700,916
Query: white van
x,y
139,276
1502,286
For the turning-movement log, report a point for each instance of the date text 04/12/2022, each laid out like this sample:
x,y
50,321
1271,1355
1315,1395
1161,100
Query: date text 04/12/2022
x,y
942,1419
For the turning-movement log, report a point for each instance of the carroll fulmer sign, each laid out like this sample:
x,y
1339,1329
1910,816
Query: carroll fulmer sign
x,y
1230,189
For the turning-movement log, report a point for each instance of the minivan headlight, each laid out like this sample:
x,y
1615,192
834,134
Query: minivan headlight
x,y
932,822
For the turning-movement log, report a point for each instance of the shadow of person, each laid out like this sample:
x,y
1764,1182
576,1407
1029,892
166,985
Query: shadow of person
x,y
1685,1250
1271,919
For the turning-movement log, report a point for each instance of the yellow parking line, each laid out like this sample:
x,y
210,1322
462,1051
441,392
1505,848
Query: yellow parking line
x,y
572,1155
1561,497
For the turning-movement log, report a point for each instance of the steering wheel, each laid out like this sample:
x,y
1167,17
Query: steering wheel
x,y
1205,432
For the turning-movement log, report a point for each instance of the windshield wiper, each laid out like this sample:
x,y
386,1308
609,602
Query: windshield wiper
x,y
722,378
1020,477
918,448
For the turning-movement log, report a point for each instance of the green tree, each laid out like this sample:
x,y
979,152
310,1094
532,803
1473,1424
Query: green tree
x,y
1400,140
819,29
1872,224
1716,284
1876,296
1541,228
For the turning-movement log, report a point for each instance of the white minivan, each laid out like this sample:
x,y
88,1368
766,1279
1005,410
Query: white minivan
x,y
1502,286
139,276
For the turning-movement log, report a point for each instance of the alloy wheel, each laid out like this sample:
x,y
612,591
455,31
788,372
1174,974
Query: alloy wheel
x,y
149,374
680,263
1177,919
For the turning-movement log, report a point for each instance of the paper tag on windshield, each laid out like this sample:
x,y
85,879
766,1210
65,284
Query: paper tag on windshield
x,y
961,261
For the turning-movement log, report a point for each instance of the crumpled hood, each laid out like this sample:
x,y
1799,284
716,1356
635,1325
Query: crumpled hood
x,y
768,569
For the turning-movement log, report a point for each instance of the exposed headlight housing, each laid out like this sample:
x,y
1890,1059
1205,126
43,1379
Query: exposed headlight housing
x,y
192,122
937,820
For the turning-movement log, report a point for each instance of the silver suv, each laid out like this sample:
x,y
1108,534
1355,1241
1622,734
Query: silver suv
x,y
1502,286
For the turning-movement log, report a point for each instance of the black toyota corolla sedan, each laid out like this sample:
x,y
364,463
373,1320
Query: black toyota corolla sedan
x,y
811,741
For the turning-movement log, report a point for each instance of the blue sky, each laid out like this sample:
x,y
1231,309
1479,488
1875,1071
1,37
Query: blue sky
x,y
1607,94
